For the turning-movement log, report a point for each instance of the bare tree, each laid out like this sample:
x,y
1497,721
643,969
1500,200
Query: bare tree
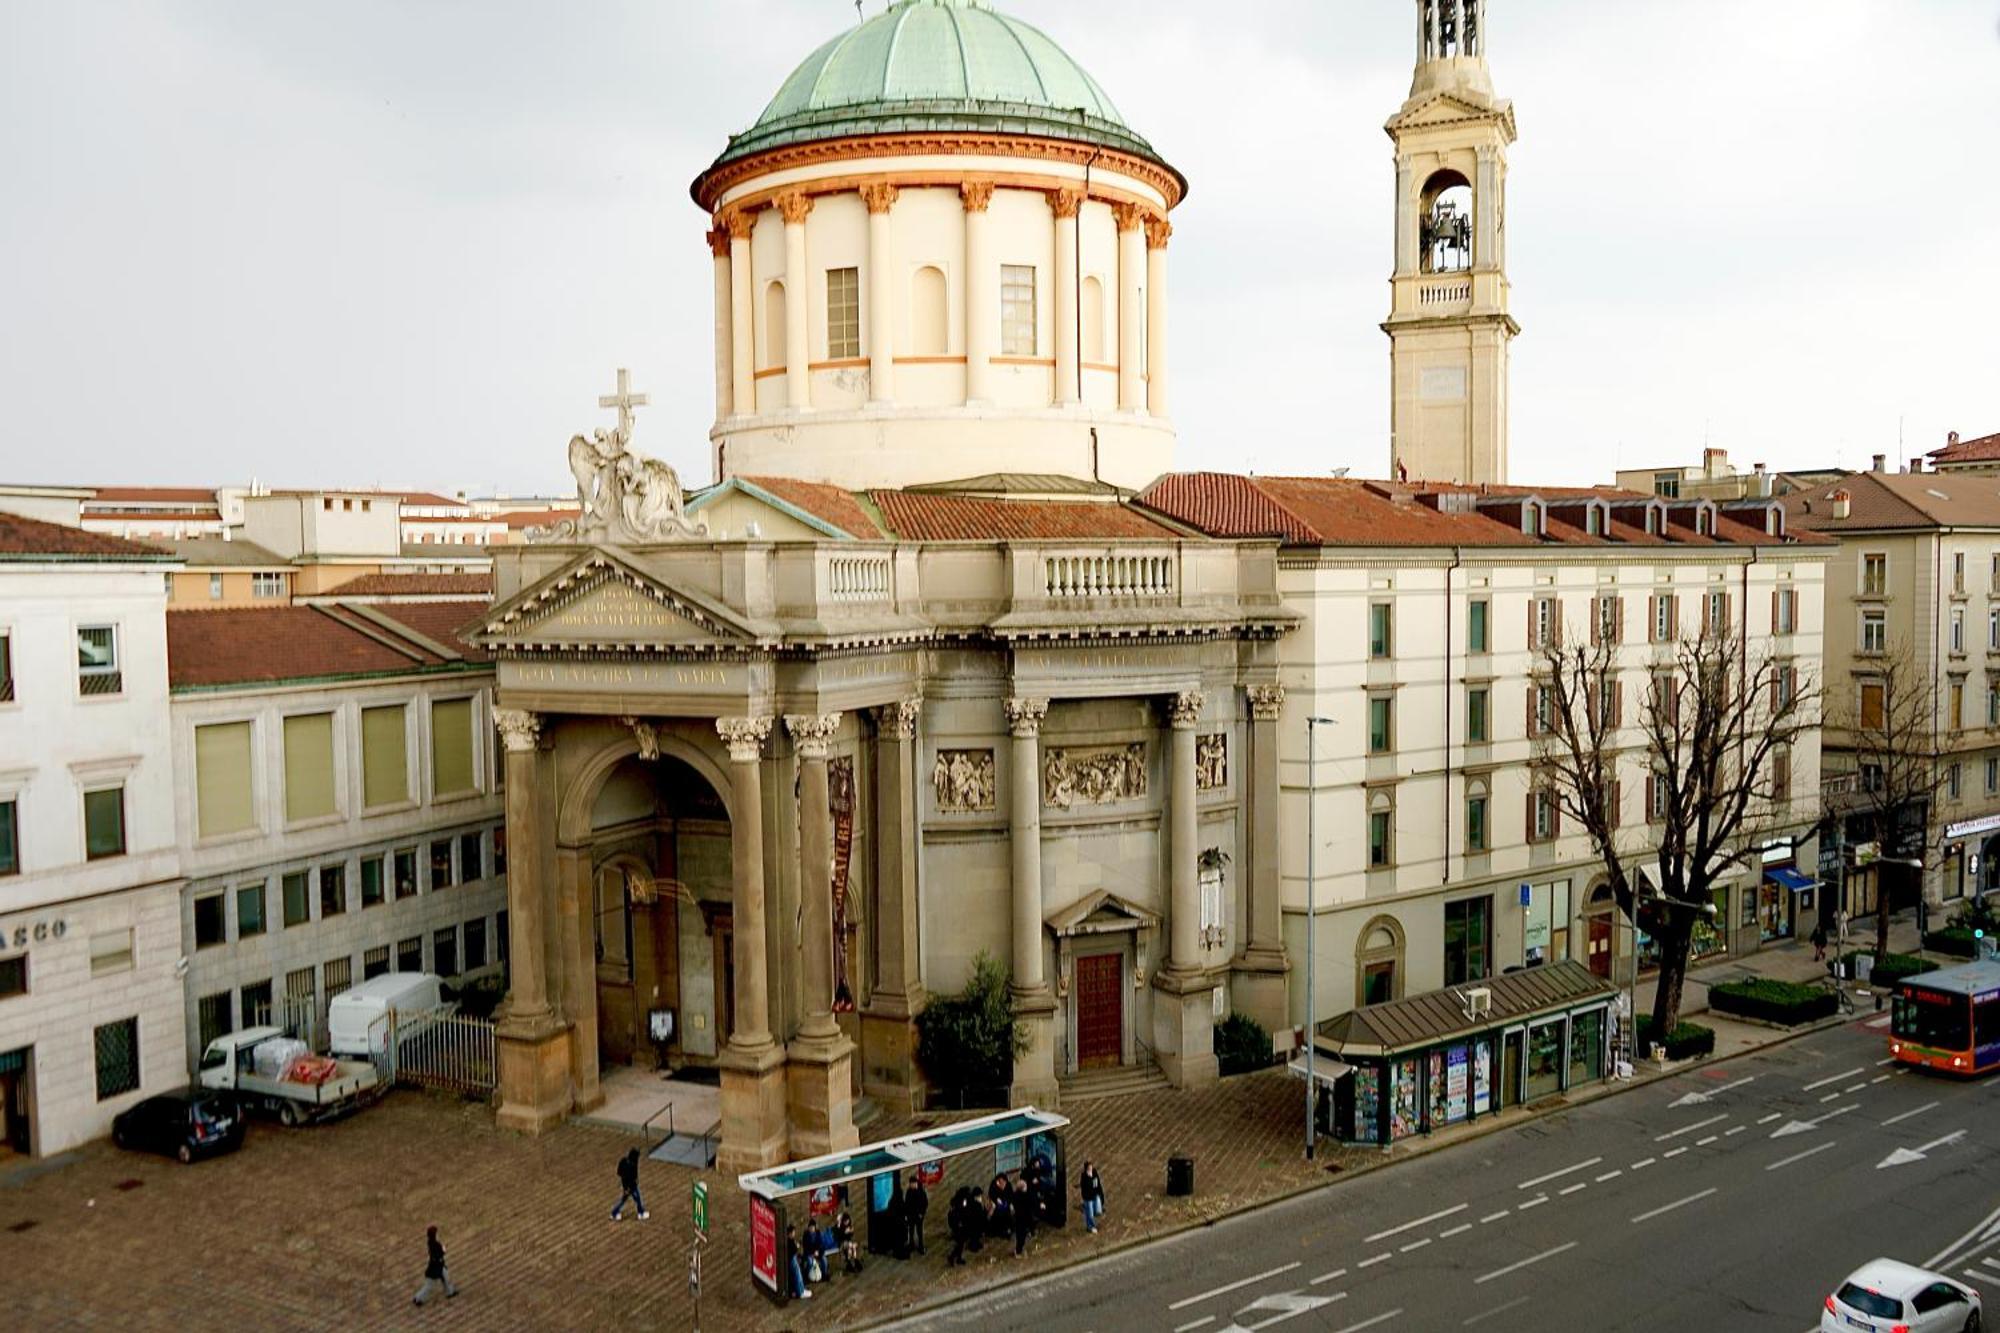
x,y
1892,726
1712,740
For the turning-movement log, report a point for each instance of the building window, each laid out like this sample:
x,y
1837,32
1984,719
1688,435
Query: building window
x,y
117,1058
1381,835
1667,485
1542,623
13,976
299,1002
468,858
1781,776
371,881
222,779
1475,823
499,850
104,823
211,923
1380,724
843,313
97,660
451,747
1957,631
10,838
254,1003
475,944
1656,797
1958,705
1871,704
1874,574
500,936
332,890
1468,926
1992,775
214,1017
1377,959
385,760
1544,815
444,951
1610,618
1017,310
298,906
1609,713
375,962
1874,632
406,873
410,954
1715,613
337,975
1785,611
1593,521
1993,704
1378,629
1784,685
930,322
441,864
215,587
1958,572
1951,781
1666,614
1993,630
249,911
267,584
1475,627
309,767
1541,709
1477,727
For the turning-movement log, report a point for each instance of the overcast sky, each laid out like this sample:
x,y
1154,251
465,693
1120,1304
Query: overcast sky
x,y
407,244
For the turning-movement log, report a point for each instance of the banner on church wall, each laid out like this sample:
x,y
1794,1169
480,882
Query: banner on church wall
x,y
840,796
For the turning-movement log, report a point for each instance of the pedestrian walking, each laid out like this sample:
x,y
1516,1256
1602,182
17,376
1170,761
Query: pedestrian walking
x,y
435,1273
1024,1217
1090,1188
628,1186
916,1203
954,1225
1819,941
795,1265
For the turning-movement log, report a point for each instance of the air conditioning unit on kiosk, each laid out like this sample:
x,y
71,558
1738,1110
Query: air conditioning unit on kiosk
x,y
1479,1002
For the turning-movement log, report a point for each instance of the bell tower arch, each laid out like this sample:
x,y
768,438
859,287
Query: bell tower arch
x,y
1448,323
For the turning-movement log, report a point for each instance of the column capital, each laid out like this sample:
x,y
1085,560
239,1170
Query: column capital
x,y
1184,709
899,719
1129,216
976,195
1266,701
718,239
519,729
646,734
745,737
1024,716
738,222
1065,203
1157,231
811,732
793,205
878,195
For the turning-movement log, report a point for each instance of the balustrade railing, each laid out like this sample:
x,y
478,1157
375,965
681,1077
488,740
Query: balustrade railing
x,y
1108,575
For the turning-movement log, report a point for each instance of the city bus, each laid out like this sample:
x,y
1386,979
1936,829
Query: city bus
x,y
1949,1019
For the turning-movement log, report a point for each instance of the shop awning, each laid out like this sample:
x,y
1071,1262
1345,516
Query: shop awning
x,y
1326,1070
1787,878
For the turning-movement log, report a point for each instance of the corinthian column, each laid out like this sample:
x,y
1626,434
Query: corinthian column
x,y
1257,984
751,998
982,292
889,1070
531,1039
1034,1007
725,375
1131,307
793,207
880,198
743,350
811,734
1183,713
1157,231
1065,204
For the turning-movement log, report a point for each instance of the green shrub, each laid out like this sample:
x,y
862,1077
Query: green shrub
x,y
1891,968
480,997
1684,1042
1773,1001
967,1042
1957,941
1979,914
1241,1044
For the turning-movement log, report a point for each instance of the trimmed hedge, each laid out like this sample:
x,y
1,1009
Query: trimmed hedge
x,y
1241,1045
1957,941
1893,967
1685,1041
1772,1001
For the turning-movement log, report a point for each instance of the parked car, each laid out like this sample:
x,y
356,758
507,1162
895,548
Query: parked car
x,y
357,1019
267,1071
187,1124
1885,1295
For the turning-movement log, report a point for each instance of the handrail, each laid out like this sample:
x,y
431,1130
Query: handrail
x,y
668,1111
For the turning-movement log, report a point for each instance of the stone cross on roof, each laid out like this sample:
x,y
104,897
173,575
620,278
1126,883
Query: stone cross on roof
x,y
624,400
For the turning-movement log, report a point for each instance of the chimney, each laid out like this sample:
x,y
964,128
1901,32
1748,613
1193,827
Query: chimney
x,y
1880,464
1714,462
1950,438
1916,465
1842,504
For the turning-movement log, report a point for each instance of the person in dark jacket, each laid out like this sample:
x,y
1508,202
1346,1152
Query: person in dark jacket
x,y
628,1186
795,1265
1090,1188
850,1251
954,1225
916,1204
1023,1218
435,1273
1000,1210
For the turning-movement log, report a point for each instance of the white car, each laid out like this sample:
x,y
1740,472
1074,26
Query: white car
x,y
1884,1296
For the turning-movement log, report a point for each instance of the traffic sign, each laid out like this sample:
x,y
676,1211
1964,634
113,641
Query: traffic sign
x,y
700,1208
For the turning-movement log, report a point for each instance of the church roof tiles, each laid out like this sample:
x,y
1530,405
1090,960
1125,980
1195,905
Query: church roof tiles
x,y
266,644
23,538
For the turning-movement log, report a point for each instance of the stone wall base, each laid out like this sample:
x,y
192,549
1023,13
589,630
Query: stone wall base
x,y
889,1072
1184,1028
819,1094
1035,1068
753,1110
534,1075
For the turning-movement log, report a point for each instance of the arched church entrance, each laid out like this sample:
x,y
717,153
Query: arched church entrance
x,y
660,915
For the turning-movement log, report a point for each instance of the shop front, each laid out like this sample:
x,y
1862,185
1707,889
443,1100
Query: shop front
x,y
1785,898
1428,1061
1968,866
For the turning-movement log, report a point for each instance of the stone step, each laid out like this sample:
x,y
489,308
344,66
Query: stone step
x,y
1124,1081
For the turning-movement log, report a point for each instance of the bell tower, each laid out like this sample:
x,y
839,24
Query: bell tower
x,y
1448,324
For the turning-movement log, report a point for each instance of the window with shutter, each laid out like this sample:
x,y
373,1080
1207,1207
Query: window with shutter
x,y
222,779
385,762
309,791
451,747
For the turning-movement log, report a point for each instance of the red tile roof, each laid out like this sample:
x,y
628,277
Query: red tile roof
x,y
414,585
945,518
254,644
448,623
155,494
535,518
428,499
1985,449
31,537
830,504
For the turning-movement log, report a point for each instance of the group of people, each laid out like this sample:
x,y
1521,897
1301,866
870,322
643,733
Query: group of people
x,y
810,1258
1015,1207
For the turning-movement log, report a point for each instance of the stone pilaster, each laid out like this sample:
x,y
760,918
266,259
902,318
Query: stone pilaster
x,y
1131,304
1183,1017
532,1040
742,295
753,1065
889,1070
1257,987
880,197
1034,1004
793,207
725,340
982,291
819,1075
1065,205
1157,231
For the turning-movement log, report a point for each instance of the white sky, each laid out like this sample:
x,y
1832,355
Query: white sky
x,y
408,243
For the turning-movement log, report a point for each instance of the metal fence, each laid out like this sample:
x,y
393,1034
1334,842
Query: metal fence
x,y
441,1050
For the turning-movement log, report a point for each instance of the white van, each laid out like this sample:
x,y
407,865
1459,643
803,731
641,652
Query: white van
x,y
357,1019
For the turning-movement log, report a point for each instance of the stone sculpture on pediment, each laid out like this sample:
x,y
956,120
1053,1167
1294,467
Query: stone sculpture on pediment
x,y
622,496
963,781
1095,776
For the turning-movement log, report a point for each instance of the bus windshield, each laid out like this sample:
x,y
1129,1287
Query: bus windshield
x,y
1931,1018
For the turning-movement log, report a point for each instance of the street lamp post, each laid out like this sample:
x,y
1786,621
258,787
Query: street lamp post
x,y
1312,926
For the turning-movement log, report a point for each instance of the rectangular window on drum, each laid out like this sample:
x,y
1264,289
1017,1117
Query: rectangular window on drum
x,y
1017,310
843,313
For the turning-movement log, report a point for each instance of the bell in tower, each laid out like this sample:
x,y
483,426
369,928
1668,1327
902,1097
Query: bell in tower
x,y
1448,323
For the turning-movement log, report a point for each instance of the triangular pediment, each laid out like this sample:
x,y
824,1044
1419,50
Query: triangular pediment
x,y
1450,109
1099,912
602,598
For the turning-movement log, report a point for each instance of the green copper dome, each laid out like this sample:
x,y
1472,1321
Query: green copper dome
x,y
938,65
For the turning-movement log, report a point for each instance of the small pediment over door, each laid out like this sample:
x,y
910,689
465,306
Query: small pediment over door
x,y
602,600
1100,913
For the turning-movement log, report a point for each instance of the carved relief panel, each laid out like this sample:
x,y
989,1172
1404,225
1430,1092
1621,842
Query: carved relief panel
x,y
963,781
1211,761
1097,775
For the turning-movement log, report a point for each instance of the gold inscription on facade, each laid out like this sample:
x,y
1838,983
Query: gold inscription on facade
x,y
611,606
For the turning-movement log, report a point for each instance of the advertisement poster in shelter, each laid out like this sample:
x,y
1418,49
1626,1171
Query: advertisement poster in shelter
x,y
930,1174
1455,1091
764,1244
1482,1076
1367,1104
1403,1109
1009,1156
823,1202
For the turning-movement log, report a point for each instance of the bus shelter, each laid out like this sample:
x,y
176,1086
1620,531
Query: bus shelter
x,y
825,1184
1449,1056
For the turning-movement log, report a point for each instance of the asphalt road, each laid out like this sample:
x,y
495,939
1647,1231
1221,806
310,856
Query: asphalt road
x,y
1739,1208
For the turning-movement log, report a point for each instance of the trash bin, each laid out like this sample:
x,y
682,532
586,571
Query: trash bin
x,y
1180,1175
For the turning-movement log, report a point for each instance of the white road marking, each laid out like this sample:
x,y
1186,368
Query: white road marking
x,y
1374,1259
1767,1119
1382,1318
1991,1220
1461,1227
1580,1185
1735,1129
1498,1309
1700,1097
1801,1126
1186,1301
1413,1245
1704,1142
1829,1097
1688,1129
1991,1263
1855,1087
1328,1277
1643,1163
1881,1022
1431,1217
1879,1078
1568,1170
1187,1328
1674,1152
1677,1203
1898,1119
1523,1263
1978,1276
1801,1156
1904,1156
1885,1060
1289,1305
1494,1217
1833,1078
1615,1171
1535,1202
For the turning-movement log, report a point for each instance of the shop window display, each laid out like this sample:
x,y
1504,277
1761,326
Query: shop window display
x,y
1545,1055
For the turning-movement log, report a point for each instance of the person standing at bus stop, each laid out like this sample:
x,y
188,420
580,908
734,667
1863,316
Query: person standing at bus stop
x,y
1090,1189
916,1203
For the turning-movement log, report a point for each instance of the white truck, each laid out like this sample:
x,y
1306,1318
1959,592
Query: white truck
x,y
258,1066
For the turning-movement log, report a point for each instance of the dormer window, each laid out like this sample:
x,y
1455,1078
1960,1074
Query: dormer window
x,y
1704,522
1656,519
1596,519
1774,521
1532,519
